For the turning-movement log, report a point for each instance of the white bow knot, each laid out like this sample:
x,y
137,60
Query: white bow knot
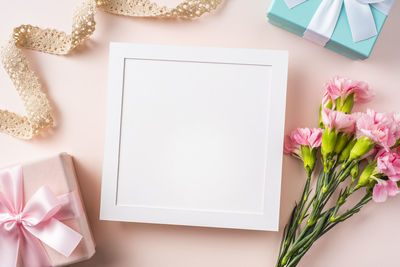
x,y
359,16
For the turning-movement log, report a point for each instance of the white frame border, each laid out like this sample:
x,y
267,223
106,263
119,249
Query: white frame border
x,y
269,219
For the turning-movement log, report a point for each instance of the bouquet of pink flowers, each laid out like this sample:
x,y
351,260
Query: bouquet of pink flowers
x,y
349,142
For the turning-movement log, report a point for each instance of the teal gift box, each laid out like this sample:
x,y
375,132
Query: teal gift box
x,y
297,19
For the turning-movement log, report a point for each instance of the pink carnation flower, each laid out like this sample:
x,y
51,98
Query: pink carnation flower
x,y
383,189
307,137
343,87
325,99
302,137
379,128
338,120
291,147
388,163
395,117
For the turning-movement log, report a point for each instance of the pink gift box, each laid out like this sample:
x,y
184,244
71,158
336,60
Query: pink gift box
x,y
58,174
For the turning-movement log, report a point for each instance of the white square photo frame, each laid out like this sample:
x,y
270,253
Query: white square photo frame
x,y
194,136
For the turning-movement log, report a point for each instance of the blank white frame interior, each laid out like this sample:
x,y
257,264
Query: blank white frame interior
x,y
194,136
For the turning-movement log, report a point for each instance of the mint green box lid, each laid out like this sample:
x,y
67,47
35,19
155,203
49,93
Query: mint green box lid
x,y
297,19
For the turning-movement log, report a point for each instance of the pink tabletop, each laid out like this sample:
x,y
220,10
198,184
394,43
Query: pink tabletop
x,y
76,85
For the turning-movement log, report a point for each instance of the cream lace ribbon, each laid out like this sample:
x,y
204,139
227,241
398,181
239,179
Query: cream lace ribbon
x,y
38,111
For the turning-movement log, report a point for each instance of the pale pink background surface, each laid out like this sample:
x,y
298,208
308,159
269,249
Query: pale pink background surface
x,y
76,85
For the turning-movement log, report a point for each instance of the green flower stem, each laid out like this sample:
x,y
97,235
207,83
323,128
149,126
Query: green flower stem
x,y
306,210
295,218
296,253
307,241
284,236
318,189
297,258
284,256
321,199
294,248
336,181
341,200
355,209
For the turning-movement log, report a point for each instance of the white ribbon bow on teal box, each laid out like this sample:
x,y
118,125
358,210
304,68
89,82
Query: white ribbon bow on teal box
x,y
360,16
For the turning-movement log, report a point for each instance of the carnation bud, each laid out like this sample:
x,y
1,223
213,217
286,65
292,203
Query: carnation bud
x,y
329,138
341,200
362,146
309,157
354,171
320,123
369,171
341,142
329,104
344,155
347,105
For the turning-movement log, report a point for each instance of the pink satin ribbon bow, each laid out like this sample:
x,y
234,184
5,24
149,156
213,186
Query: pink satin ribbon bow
x,y
22,229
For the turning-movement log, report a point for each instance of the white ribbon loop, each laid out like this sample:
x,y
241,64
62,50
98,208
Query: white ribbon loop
x,y
324,21
359,16
383,6
361,21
